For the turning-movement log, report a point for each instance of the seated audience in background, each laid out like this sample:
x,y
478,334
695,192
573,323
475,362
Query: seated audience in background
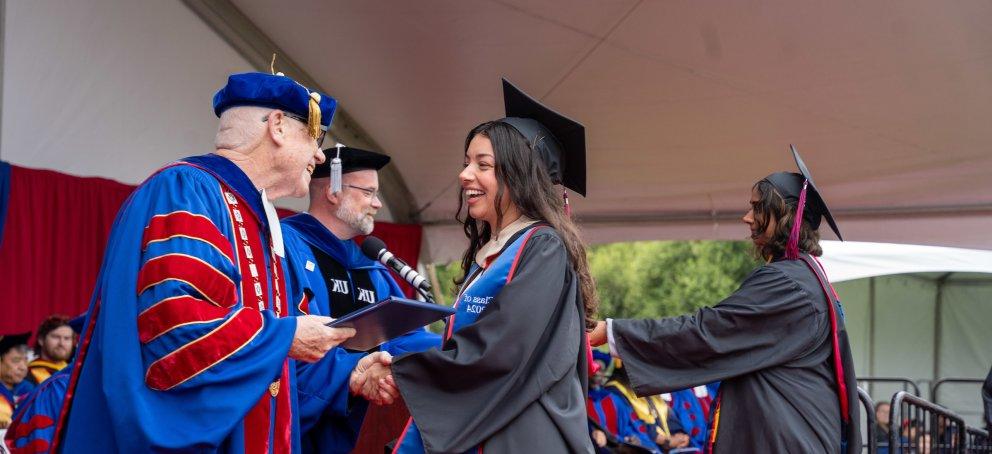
x,y
688,409
33,426
663,426
882,423
13,369
922,443
54,346
611,412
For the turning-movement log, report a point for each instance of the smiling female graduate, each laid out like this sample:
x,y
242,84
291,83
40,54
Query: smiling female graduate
x,y
511,374
778,342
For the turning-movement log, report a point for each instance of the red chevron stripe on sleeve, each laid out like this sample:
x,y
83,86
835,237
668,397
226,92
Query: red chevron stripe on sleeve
x,y
199,355
187,225
174,312
214,285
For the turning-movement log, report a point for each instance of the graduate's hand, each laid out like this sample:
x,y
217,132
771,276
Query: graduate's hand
x,y
313,340
597,336
599,438
373,380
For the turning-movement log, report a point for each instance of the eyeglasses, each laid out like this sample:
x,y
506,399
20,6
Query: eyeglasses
x,y
369,192
321,133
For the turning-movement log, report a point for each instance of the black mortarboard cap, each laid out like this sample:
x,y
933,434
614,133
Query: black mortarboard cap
x,y
9,341
558,140
790,186
352,160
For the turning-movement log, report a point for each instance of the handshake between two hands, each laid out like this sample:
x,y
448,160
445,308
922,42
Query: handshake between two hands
x,y
372,377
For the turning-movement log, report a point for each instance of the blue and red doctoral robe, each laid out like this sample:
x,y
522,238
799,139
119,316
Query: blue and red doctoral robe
x,y
612,412
33,428
690,413
328,426
185,345
11,399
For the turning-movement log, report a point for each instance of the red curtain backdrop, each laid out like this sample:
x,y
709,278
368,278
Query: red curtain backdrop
x,y
54,237
53,241
403,240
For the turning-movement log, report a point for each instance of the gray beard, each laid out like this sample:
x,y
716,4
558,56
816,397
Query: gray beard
x,y
355,219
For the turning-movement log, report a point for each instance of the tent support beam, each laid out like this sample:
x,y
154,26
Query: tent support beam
x,y
938,309
871,333
256,47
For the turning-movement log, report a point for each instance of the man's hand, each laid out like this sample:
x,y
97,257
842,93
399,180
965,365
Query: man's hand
x,y
313,340
679,440
373,380
661,439
597,336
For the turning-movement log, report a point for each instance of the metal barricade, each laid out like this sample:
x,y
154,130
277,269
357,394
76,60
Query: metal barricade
x,y
937,384
977,441
906,383
918,426
872,425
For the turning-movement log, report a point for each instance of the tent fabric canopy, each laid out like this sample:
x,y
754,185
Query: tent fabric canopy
x,y
846,261
686,103
919,312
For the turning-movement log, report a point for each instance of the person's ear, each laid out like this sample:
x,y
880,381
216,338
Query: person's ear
x,y
333,198
277,127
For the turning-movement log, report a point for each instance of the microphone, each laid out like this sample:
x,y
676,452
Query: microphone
x,y
375,249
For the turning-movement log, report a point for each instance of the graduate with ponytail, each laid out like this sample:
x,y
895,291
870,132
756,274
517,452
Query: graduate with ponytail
x,y
778,342
511,373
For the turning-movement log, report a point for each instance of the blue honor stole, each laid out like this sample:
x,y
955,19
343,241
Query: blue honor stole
x,y
475,295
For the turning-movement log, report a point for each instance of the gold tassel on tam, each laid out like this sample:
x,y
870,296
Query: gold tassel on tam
x,y
313,119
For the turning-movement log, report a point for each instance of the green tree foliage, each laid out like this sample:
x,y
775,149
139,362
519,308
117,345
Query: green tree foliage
x,y
653,278
663,278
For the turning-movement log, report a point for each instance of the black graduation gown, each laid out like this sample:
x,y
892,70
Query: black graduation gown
x,y
770,344
515,379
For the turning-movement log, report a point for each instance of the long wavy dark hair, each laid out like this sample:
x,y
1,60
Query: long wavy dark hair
x,y
770,206
518,167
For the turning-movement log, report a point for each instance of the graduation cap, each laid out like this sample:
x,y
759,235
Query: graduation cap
x,y
276,91
558,140
800,188
352,160
9,341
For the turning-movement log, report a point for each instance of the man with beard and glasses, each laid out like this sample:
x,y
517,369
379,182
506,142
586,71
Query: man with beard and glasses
x,y
326,262
53,346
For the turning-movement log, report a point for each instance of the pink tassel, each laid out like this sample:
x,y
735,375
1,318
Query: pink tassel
x,y
792,248
568,208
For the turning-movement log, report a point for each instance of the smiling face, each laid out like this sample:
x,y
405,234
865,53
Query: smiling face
x,y
480,187
358,201
296,156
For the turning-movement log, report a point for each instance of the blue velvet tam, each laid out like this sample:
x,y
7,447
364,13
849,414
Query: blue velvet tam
x,y
276,91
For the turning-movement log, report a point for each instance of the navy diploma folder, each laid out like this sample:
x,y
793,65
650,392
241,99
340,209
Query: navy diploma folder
x,y
387,319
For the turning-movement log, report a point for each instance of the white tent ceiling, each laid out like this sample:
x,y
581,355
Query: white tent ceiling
x,y
686,103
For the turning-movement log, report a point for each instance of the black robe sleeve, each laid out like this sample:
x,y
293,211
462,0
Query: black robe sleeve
x,y
525,342
766,322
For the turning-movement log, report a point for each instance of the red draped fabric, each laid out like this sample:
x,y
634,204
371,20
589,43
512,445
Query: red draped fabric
x,y
53,241
403,240
54,238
